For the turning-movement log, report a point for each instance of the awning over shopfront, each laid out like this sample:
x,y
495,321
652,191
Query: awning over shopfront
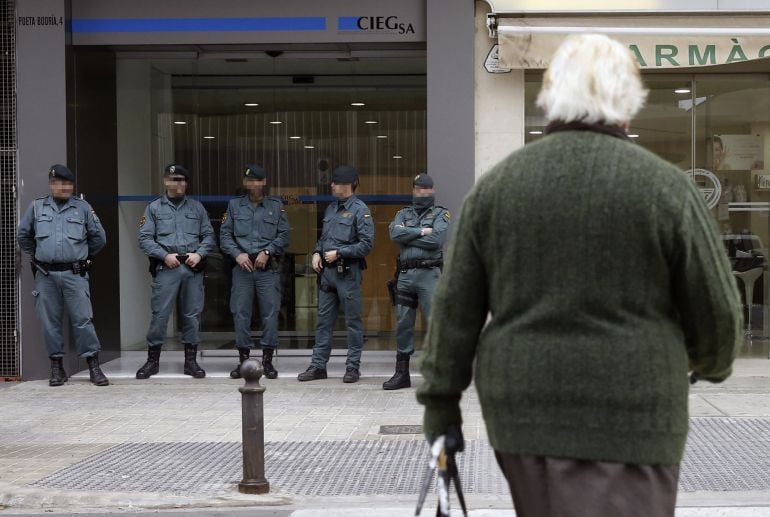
x,y
657,42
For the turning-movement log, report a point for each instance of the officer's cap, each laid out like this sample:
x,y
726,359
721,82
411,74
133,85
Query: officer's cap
x,y
254,172
422,180
60,172
176,169
345,174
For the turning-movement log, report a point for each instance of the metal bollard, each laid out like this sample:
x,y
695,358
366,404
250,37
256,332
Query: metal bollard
x,y
253,425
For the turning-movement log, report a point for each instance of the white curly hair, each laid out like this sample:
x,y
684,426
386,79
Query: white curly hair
x,y
592,78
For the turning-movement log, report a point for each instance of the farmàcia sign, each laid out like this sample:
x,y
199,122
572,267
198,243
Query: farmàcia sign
x,y
663,55
535,50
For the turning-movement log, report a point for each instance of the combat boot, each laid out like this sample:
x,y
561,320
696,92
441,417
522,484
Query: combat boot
x,y
351,375
190,364
401,378
58,375
150,368
95,372
267,363
311,374
243,354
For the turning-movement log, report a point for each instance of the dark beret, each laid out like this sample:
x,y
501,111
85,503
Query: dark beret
x,y
60,172
255,172
422,180
345,174
175,168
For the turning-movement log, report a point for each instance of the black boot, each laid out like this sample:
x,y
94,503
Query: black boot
x,y
311,374
243,354
58,375
401,378
190,364
150,368
267,363
95,372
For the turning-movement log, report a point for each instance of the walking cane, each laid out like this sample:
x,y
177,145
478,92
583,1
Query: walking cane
x,y
446,467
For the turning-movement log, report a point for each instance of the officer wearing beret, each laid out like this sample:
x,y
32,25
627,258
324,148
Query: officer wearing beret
x,y
176,234
60,233
347,236
420,231
255,233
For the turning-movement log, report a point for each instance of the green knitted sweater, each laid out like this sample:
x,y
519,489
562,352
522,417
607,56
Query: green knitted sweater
x,y
585,278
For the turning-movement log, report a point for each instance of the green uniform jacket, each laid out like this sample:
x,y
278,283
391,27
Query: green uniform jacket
x,y
604,279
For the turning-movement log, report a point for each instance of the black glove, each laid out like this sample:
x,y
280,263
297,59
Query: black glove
x,y
453,439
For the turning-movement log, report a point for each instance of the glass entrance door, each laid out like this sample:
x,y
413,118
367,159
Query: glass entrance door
x,y
299,115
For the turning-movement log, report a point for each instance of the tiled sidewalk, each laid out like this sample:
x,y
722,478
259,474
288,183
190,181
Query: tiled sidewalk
x,y
45,429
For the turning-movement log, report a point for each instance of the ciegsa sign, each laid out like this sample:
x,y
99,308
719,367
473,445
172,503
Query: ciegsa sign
x,y
383,24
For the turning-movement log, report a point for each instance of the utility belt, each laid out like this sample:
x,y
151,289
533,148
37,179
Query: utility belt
x,y
343,265
403,265
81,267
157,264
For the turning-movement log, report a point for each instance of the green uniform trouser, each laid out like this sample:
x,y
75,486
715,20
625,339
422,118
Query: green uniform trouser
x,y
166,286
415,288
267,284
335,291
62,292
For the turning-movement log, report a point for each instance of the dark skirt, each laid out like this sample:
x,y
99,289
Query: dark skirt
x,y
555,487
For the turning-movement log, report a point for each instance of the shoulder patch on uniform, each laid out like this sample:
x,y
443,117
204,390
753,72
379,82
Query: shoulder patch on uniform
x,y
367,215
224,217
447,215
142,220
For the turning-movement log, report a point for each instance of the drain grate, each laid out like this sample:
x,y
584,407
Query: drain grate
x,y
400,429
723,454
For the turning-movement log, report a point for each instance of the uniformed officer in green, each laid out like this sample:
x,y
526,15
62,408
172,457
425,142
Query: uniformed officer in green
x,y
347,236
255,233
420,231
60,233
176,234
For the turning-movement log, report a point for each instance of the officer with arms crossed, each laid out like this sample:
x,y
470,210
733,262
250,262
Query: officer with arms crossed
x,y
347,237
176,234
420,230
60,232
255,232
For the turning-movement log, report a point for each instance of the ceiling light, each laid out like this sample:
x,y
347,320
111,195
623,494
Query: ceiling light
x,y
251,104
309,147
397,156
633,136
294,137
370,122
357,104
682,90
536,132
382,136
180,122
209,137
276,122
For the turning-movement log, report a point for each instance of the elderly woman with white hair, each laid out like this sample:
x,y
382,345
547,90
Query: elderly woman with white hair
x,y
585,278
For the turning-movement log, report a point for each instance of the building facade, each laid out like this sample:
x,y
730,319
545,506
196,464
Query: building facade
x,y
119,89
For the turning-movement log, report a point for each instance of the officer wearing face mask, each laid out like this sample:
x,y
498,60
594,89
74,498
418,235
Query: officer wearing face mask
x,y
255,233
420,231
